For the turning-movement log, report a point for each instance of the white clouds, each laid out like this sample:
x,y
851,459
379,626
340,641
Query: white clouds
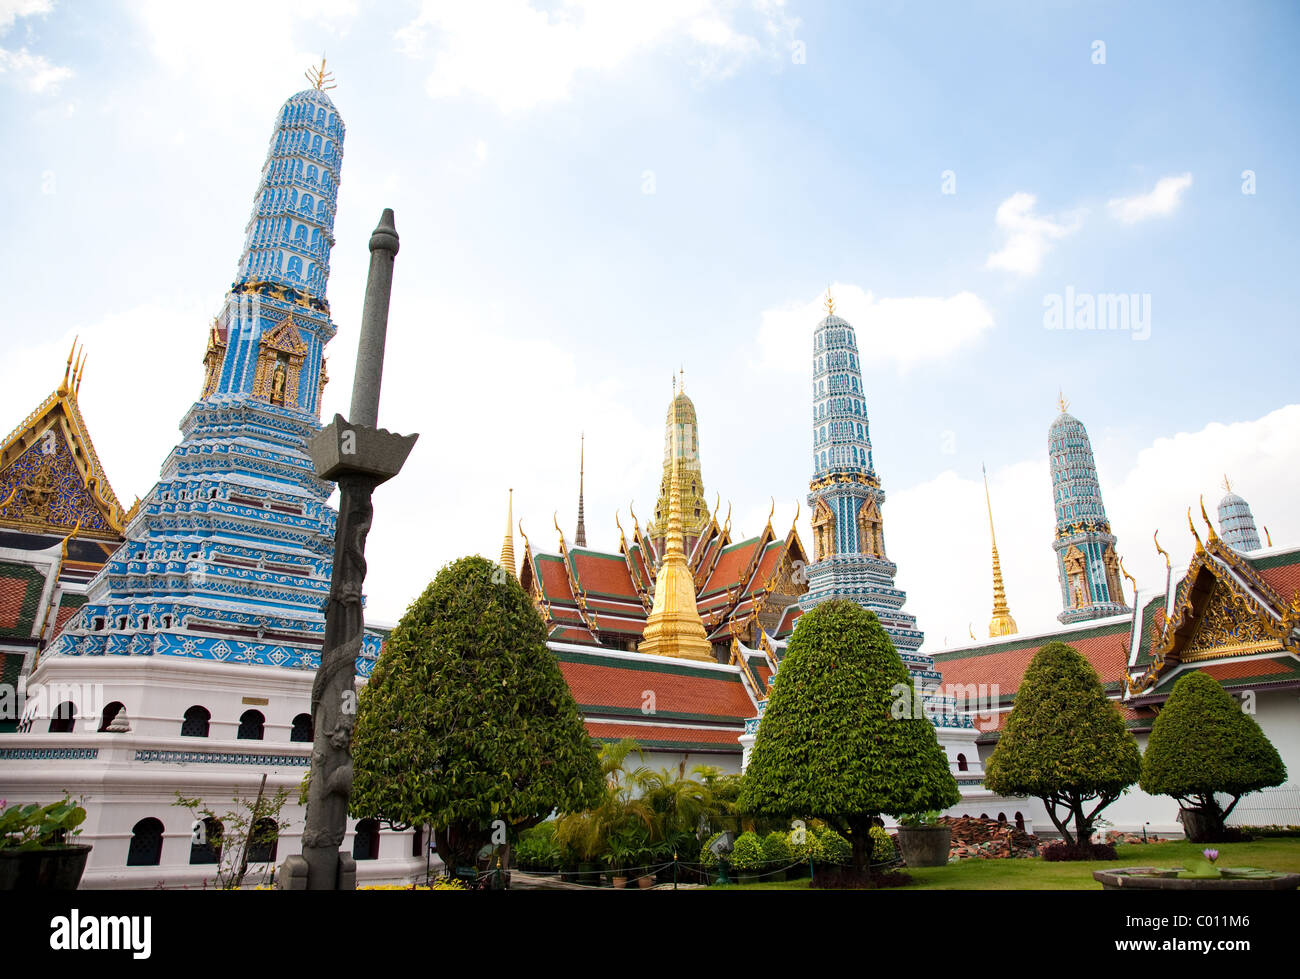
x,y
1160,202
32,72
11,10
1028,236
518,57
905,331
938,531
242,50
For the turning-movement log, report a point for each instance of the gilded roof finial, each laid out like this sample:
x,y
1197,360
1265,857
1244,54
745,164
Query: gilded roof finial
x,y
1002,623
1227,486
1192,527
1060,399
1267,536
67,370
320,79
1206,517
508,546
830,302
1156,537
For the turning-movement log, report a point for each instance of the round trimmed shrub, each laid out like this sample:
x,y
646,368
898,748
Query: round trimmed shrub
x,y
747,853
776,849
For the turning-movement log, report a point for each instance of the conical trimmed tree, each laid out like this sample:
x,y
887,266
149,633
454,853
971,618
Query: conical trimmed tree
x,y
1065,743
467,720
831,745
1203,743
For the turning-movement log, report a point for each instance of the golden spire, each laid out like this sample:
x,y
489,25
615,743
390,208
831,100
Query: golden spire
x,y
1060,400
320,79
508,546
1002,624
1227,486
830,302
674,627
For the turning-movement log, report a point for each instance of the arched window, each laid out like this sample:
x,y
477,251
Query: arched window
x,y
365,845
205,845
417,842
1020,822
64,718
263,841
146,843
295,267
984,815
961,763
252,726
1002,817
111,713
196,722
302,729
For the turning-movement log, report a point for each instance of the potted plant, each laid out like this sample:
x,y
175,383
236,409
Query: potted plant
x,y
924,840
34,850
619,855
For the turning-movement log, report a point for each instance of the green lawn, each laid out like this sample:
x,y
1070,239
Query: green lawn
x,y
1036,874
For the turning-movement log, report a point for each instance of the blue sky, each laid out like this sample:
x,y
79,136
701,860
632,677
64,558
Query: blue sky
x,y
592,195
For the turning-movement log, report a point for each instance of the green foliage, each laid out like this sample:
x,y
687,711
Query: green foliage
x,y
37,827
747,853
833,848
537,848
1202,743
467,719
928,818
804,845
776,849
246,827
707,856
1064,742
830,745
882,845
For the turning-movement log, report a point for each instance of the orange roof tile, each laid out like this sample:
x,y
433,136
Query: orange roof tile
x,y
618,688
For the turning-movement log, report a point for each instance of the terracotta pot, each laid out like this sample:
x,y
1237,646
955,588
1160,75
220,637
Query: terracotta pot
x,y
54,869
645,883
925,846
620,880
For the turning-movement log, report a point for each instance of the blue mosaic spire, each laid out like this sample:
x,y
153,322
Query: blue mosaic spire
x,y
229,555
1236,522
846,501
1087,564
846,497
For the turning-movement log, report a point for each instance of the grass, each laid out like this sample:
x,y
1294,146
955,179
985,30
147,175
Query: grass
x,y
1036,874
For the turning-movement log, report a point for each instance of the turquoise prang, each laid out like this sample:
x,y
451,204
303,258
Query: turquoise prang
x,y
229,556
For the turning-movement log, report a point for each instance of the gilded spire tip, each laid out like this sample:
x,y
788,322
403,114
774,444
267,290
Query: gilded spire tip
x,y
320,79
830,302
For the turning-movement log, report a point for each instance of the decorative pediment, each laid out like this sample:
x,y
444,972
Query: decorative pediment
x,y
1222,609
50,477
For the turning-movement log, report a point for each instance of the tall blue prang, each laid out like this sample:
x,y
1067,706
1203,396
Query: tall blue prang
x,y
1087,563
846,500
229,556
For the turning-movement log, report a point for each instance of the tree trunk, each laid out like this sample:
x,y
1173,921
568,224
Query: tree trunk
x,y
860,837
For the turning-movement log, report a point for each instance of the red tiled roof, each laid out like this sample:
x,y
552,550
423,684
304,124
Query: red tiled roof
x,y
606,574
596,686
1248,668
1284,579
1108,654
731,565
646,733
554,580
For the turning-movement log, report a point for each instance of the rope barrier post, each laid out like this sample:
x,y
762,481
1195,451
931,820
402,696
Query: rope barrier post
x,y
674,870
